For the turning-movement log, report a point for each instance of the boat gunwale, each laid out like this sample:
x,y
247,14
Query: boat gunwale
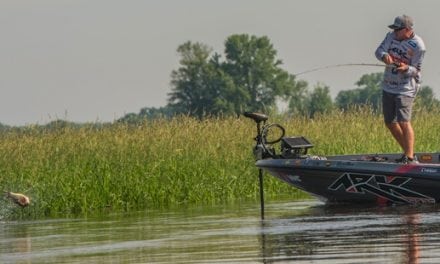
x,y
432,171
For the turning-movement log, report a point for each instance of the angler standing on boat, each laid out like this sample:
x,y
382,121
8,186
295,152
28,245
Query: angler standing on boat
x,y
405,50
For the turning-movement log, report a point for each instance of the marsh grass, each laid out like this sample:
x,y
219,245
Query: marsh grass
x,y
172,162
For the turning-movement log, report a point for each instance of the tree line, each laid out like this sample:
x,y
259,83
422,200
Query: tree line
x,y
249,77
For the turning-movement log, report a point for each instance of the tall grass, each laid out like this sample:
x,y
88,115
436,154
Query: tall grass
x,y
164,163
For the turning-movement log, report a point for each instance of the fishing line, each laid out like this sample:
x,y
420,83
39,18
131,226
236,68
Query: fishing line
x,y
343,65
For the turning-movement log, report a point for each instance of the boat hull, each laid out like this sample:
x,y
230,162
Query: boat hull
x,y
339,180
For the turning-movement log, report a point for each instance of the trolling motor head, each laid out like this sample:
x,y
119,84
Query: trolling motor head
x,y
257,117
270,134
264,147
259,149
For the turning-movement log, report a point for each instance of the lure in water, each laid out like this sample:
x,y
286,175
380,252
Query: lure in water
x,y
18,198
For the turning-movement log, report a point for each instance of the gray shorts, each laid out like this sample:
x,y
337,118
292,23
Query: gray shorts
x,y
396,108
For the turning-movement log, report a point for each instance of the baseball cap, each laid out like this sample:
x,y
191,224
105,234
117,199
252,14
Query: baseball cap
x,y
403,21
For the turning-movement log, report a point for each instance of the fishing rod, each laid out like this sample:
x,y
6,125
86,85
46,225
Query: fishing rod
x,y
345,64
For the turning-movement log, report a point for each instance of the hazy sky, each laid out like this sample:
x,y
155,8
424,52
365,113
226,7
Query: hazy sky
x,y
96,60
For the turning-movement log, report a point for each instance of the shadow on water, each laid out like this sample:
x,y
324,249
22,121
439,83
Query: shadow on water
x,y
353,234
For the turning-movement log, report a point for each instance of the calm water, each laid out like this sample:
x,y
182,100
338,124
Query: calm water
x,y
293,232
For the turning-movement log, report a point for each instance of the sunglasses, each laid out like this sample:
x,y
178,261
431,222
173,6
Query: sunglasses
x,y
398,29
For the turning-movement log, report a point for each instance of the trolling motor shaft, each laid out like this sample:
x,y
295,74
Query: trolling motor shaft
x,y
258,152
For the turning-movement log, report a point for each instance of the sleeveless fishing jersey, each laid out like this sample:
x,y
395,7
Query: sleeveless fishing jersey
x,y
409,51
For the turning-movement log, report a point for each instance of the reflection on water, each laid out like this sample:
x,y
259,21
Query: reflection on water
x,y
293,232
412,238
354,235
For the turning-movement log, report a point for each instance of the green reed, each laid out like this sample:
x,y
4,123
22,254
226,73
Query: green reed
x,y
172,162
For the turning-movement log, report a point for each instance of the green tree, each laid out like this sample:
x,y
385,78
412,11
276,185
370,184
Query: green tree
x,y
320,100
368,93
425,99
345,99
3,127
299,101
191,93
371,90
250,78
251,62
147,113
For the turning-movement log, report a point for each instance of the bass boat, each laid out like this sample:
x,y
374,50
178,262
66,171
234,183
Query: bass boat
x,y
360,178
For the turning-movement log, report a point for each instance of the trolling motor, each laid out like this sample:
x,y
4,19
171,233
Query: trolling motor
x,y
260,150
267,136
264,145
270,134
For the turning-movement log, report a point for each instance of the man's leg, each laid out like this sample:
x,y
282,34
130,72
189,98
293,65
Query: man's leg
x,y
397,115
404,135
397,133
404,109
408,138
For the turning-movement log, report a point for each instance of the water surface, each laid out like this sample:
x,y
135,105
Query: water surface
x,y
293,232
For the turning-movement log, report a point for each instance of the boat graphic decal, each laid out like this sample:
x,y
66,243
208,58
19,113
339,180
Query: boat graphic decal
x,y
389,187
289,178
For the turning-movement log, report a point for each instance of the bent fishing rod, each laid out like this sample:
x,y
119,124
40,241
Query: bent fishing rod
x,y
347,64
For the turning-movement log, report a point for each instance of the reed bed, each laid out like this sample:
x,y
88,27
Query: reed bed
x,y
173,162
